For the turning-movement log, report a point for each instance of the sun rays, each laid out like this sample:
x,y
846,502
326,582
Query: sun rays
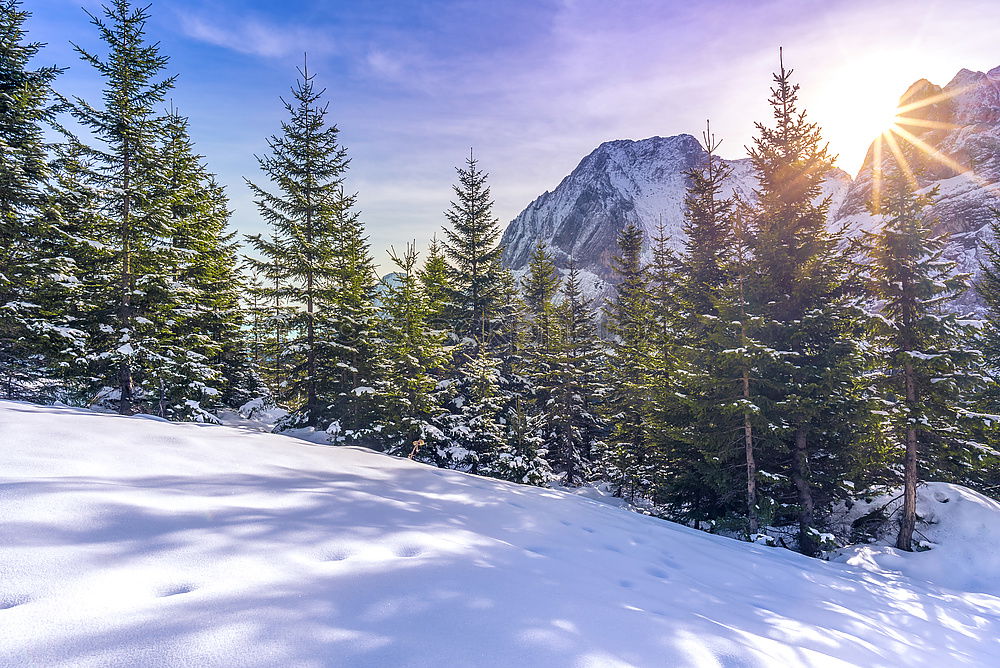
x,y
896,138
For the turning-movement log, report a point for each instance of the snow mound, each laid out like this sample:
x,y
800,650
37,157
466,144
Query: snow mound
x,y
960,527
135,542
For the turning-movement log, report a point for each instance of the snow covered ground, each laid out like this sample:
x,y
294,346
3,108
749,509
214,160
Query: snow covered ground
x,y
129,541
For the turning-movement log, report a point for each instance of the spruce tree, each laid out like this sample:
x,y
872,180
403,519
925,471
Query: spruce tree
x,y
714,430
133,224
409,402
435,278
629,456
37,336
673,459
571,388
799,290
988,401
472,249
317,257
930,366
203,360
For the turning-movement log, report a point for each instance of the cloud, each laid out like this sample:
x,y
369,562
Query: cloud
x,y
255,37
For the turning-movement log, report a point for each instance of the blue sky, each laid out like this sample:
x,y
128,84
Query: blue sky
x,y
533,86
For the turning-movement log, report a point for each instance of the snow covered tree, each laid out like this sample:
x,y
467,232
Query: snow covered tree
x,y
667,410
988,400
269,316
409,401
629,457
539,288
203,362
133,223
930,367
36,277
571,388
799,290
714,432
488,391
321,266
473,252
435,279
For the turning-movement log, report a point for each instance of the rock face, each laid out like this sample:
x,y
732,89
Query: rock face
x,y
622,182
949,137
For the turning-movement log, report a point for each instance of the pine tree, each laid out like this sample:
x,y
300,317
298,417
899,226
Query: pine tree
x,y
472,249
988,402
539,288
203,361
667,410
133,224
799,288
435,278
714,431
629,455
930,367
317,257
36,335
412,352
571,389
353,316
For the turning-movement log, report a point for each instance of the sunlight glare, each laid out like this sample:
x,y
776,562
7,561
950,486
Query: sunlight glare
x,y
854,107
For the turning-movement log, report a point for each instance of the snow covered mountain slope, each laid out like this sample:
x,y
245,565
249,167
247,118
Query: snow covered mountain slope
x,y
621,182
948,138
129,541
643,182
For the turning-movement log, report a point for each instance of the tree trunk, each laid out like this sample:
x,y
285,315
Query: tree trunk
x,y
800,468
752,525
125,303
904,541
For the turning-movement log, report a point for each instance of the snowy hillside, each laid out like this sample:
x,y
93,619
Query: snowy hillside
x,y
130,541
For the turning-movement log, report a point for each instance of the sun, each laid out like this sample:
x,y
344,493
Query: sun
x,y
908,123
853,107
863,118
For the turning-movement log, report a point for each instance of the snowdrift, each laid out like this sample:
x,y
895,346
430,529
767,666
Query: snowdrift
x,y
962,528
129,541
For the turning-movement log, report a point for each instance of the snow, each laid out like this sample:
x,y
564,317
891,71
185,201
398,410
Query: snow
x,y
138,542
961,526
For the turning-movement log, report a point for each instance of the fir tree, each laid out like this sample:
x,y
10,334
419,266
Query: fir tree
x,y
474,256
799,288
988,401
36,335
204,363
629,455
125,292
317,257
412,352
930,368
435,279
714,431
571,388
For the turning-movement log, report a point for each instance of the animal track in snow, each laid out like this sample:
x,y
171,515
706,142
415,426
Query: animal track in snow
x,y
8,601
174,590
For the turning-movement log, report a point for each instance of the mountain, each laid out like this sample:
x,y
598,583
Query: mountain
x,y
622,182
950,137
131,541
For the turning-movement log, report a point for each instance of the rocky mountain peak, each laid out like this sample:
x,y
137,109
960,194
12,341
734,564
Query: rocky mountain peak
x,y
948,137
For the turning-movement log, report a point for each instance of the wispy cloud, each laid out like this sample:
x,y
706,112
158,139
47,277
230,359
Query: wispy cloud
x,y
256,37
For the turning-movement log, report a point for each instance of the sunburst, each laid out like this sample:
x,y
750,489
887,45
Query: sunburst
x,y
898,131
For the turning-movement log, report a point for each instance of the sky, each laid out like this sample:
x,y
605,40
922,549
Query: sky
x,y
532,86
